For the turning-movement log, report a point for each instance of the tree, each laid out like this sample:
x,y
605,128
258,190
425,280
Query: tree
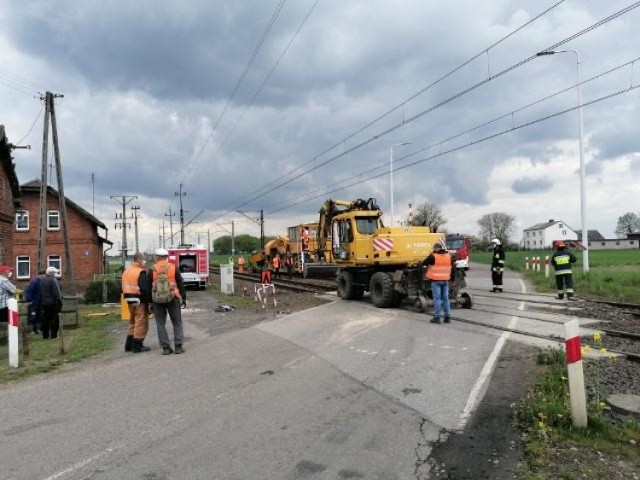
x,y
429,215
498,225
222,245
627,223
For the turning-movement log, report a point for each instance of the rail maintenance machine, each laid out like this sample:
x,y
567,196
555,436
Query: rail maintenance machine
x,y
364,255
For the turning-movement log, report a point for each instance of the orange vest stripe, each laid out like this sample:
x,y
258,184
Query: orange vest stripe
x,y
441,270
170,268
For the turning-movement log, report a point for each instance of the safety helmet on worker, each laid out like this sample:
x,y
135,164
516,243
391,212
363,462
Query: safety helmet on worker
x,y
560,245
161,252
496,241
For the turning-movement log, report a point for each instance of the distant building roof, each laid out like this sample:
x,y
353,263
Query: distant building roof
x,y
9,168
593,235
34,186
542,226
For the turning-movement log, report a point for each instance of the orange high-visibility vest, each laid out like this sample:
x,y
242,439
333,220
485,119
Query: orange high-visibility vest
x,y
130,279
170,268
276,261
240,261
265,278
441,270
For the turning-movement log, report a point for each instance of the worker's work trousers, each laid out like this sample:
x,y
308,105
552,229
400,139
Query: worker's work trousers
x,y
34,310
440,291
564,283
160,311
50,321
138,320
496,278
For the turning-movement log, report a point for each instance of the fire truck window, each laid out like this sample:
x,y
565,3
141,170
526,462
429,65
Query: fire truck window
x,y
366,225
455,244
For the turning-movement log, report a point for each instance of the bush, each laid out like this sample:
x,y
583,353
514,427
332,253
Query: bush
x,y
94,293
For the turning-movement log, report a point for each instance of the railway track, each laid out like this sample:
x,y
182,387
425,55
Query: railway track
x,y
294,285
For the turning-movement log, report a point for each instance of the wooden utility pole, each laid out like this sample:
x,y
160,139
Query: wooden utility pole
x,y
135,209
43,183
123,200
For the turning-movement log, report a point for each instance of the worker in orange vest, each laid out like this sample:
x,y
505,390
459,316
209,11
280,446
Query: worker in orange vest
x,y
241,264
168,295
135,292
439,273
276,265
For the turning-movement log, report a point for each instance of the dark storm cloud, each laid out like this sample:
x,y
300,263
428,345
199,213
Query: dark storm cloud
x,y
531,185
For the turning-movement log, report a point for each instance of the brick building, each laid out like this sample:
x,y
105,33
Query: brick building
x,y
86,241
9,200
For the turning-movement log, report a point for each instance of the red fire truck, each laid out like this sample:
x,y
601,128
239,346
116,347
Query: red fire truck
x,y
459,246
193,263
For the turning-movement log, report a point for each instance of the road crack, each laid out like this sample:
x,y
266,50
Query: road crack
x,y
422,466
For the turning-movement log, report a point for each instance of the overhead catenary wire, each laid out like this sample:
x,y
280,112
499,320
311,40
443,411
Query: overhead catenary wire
x,y
469,144
385,164
459,94
262,84
236,87
406,101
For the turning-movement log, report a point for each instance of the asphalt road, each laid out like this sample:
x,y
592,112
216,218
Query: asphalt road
x,y
339,391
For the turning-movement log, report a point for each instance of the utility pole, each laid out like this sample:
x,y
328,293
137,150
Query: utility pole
x,y
93,193
135,209
124,200
181,194
164,241
170,215
261,230
233,239
159,236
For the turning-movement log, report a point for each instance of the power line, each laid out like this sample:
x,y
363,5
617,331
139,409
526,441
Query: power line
x,y
475,142
441,103
264,81
18,88
33,125
253,56
512,113
20,79
404,102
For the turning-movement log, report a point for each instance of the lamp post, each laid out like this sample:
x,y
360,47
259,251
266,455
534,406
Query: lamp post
x,y
583,194
391,176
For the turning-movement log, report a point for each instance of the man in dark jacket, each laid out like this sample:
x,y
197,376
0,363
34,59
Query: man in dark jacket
x,y
51,300
32,295
497,265
561,261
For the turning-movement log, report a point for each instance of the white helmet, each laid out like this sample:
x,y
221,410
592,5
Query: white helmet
x,y
53,270
496,241
161,252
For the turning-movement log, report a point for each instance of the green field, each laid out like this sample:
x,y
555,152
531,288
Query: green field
x,y
613,274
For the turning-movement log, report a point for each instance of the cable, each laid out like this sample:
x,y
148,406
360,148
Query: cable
x,y
253,56
17,87
22,80
264,81
475,142
442,103
32,125
404,102
385,164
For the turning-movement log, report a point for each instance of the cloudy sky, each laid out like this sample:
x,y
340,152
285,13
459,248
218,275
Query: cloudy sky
x,y
275,104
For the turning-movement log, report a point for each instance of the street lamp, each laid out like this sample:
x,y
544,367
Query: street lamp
x,y
583,194
391,175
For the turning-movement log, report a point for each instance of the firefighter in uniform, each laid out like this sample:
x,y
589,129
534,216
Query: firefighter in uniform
x,y
439,273
178,300
561,261
136,293
497,265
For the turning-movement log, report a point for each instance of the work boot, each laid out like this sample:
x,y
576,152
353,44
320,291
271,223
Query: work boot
x,y
179,349
128,345
560,296
138,347
435,320
447,319
167,351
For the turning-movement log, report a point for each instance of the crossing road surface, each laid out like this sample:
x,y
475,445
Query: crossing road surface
x,y
340,391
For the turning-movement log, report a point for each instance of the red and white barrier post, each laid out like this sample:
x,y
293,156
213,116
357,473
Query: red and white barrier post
x,y
538,264
13,331
546,266
575,374
526,263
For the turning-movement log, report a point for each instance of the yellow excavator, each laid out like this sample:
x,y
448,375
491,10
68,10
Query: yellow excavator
x,y
354,244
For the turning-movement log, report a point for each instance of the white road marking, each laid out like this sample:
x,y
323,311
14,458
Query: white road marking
x,y
77,466
485,374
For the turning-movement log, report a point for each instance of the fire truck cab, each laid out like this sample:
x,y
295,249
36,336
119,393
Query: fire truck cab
x,y
193,263
459,246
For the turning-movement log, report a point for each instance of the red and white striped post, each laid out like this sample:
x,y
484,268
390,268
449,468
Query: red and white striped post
x,y
13,327
526,263
575,374
538,264
546,266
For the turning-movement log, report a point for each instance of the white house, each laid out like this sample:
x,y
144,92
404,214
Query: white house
x,y
542,235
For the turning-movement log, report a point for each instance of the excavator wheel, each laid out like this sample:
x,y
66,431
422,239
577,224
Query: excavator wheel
x,y
382,294
465,300
346,289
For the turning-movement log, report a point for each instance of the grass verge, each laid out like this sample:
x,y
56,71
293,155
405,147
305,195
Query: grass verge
x,y
93,336
554,448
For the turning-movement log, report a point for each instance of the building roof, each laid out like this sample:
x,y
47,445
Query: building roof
x,y
34,186
592,235
543,225
9,168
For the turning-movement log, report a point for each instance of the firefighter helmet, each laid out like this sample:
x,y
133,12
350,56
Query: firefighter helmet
x,y
560,244
496,241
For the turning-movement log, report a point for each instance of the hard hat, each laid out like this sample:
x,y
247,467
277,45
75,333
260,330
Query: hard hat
x,y
561,244
161,252
51,270
496,241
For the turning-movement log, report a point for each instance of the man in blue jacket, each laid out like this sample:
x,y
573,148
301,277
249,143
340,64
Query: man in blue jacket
x,y
33,296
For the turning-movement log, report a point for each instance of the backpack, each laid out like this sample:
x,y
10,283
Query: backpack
x,y
161,291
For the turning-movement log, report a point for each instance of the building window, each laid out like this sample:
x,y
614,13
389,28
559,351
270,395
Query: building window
x,y
534,242
527,234
53,220
22,220
540,233
560,225
631,243
54,261
527,243
23,267
617,243
602,243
